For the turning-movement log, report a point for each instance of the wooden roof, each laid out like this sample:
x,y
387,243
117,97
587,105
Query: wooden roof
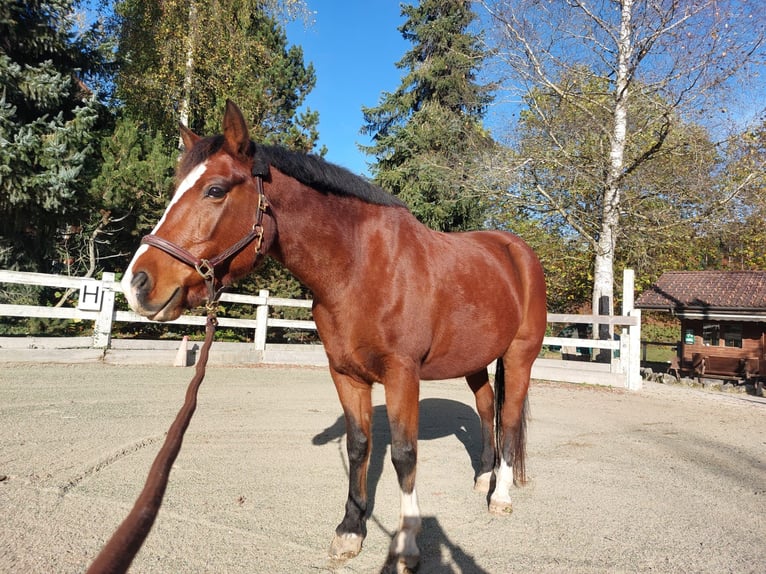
x,y
733,291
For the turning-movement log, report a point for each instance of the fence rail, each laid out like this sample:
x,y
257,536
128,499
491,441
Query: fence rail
x,y
96,302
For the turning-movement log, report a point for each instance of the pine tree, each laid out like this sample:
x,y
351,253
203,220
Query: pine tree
x,y
135,179
427,134
48,121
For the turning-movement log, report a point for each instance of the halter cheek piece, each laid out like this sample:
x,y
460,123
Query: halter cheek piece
x,y
206,267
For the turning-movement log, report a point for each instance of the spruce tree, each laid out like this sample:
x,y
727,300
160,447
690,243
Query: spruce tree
x,y
48,118
427,135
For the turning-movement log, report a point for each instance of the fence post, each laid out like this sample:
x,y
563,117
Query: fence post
x,y
633,361
102,328
261,321
634,374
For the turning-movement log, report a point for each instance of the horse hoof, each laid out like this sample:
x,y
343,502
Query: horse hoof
x,y
345,546
500,507
483,483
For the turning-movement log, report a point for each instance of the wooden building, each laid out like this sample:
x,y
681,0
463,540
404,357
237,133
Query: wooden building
x,y
723,321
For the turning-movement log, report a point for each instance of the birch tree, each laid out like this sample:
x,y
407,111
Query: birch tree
x,y
685,57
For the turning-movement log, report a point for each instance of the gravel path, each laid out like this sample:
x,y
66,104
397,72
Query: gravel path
x,y
665,480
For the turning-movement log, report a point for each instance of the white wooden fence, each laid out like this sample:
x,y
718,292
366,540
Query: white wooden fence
x,y
96,302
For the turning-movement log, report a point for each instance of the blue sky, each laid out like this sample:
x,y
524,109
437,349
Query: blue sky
x,y
354,46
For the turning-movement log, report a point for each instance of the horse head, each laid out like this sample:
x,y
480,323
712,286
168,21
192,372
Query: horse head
x,y
215,230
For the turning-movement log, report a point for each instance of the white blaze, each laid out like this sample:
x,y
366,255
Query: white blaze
x,y
185,186
188,182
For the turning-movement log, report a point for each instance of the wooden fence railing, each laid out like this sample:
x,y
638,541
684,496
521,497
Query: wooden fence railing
x,y
96,302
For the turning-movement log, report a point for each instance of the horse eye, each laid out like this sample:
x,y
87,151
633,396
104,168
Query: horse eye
x,y
216,192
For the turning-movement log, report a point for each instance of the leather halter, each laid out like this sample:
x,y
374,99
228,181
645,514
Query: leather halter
x,y
206,267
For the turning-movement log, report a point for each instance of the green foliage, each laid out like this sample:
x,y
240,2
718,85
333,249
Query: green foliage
x,y
135,181
427,135
660,328
668,192
196,54
135,164
657,328
738,241
49,128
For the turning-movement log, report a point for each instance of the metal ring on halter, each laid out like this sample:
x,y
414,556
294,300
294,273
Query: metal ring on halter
x,y
206,269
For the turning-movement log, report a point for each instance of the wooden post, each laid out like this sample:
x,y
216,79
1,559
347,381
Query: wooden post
x,y
633,360
634,369
102,328
261,321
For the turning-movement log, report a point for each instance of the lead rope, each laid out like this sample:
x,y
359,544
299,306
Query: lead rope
x,y
118,554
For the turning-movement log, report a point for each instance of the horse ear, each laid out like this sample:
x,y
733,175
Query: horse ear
x,y
188,137
235,130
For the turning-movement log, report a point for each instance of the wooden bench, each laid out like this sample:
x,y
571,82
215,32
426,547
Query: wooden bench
x,y
749,370
717,367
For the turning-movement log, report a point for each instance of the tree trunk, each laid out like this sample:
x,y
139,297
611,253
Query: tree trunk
x,y
184,108
603,271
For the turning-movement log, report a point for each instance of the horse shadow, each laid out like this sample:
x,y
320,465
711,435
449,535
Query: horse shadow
x,y
432,540
439,418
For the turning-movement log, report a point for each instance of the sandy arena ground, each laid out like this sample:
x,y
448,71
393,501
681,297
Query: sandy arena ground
x,y
665,480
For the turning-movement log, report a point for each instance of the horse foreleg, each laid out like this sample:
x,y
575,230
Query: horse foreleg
x,y
402,404
356,399
485,406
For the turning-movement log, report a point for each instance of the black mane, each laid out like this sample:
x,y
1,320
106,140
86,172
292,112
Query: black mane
x,y
315,172
309,169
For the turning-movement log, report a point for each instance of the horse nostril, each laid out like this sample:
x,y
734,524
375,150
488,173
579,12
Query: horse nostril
x,y
141,283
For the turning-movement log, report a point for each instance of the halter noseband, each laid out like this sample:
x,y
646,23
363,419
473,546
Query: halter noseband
x,y
206,267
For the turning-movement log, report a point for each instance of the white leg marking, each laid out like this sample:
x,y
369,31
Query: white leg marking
x,y
500,501
483,482
409,507
404,544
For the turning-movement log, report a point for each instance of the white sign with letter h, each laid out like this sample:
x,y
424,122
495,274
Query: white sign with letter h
x,y
91,295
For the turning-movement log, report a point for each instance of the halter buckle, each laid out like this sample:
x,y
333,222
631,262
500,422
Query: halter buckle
x,y
206,269
263,203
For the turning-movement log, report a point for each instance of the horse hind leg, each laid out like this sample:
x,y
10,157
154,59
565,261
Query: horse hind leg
x,y
512,384
485,406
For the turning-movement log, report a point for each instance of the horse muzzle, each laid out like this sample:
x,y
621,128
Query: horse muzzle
x,y
153,301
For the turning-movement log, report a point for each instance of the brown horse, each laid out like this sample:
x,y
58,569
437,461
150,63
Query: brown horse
x,y
394,302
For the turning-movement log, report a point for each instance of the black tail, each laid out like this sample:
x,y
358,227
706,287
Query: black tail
x,y
499,400
514,449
